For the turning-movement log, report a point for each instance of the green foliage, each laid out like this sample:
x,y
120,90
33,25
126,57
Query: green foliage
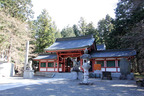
x,y
128,29
82,26
91,30
21,9
105,27
67,32
128,14
58,34
76,31
13,36
81,29
44,31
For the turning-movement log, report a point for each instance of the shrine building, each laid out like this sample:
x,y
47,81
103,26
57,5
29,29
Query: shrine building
x,y
59,53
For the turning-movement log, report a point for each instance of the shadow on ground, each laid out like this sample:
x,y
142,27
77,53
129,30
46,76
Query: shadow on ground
x,y
72,88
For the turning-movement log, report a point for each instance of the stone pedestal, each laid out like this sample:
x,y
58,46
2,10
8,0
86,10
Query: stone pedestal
x,y
28,74
80,75
76,75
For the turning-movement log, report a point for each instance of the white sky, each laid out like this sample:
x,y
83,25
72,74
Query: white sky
x,y
68,12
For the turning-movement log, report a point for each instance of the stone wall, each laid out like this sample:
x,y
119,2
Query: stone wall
x,y
6,69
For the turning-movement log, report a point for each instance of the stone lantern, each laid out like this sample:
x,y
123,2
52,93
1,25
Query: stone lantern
x,y
86,66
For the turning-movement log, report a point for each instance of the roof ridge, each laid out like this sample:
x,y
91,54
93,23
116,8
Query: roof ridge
x,y
48,54
117,50
74,38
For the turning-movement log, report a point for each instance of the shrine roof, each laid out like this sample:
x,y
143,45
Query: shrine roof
x,y
114,53
46,56
101,47
71,43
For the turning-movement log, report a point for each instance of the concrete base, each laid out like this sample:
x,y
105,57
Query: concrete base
x,y
28,74
98,73
127,77
115,75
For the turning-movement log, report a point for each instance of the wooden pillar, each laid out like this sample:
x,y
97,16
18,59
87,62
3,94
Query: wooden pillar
x,y
54,65
105,64
81,63
93,62
46,65
64,64
39,65
57,62
116,65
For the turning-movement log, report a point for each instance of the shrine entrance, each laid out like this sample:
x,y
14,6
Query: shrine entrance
x,y
65,59
68,64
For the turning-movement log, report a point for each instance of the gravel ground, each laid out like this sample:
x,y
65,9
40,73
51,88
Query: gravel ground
x,y
72,88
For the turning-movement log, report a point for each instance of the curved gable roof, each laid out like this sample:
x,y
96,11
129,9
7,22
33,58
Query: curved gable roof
x,y
46,56
71,43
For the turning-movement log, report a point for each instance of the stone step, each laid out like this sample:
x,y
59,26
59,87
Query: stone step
x,y
63,75
72,75
46,74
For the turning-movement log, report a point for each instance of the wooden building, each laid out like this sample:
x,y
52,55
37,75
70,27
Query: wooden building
x,y
58,55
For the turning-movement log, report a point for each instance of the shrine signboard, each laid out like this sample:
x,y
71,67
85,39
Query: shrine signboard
x,y
97,66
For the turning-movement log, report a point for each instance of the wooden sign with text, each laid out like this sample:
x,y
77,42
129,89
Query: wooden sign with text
x,y
97,66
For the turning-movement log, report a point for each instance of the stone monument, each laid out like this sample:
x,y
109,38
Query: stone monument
x,y
125,69
28,72
86,66
6,68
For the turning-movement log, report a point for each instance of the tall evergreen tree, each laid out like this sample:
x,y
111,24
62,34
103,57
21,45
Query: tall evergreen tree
x,y
20,9
44,31
91,30
128,30
105,27
57,33
82,26
76,31
13,36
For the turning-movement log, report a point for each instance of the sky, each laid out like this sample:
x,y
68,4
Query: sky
x,y
68,12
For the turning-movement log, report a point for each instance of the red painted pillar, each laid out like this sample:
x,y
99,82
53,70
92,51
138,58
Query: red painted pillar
x,y
54,65
57,62
64,65
46,65
81,63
